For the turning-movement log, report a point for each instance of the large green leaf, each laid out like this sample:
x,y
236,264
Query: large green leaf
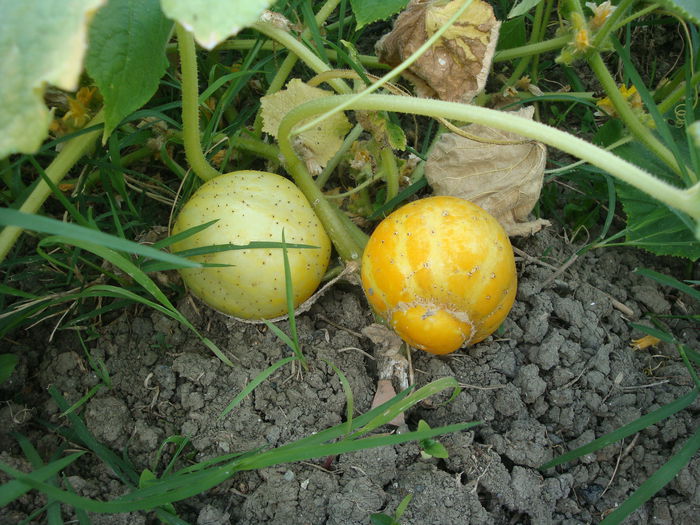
x,y
212,21
688,9
652,225
41,42
522,7
368,11
126,57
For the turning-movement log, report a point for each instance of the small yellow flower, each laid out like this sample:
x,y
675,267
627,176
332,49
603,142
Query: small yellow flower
x,y
78,112
581,40
631,95
601,13
633,98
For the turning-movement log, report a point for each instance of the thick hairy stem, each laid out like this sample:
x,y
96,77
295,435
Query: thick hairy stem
x,y
71,153
687,201
301,51
190,107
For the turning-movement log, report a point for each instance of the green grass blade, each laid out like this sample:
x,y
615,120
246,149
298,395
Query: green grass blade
x,y
302,453
14,489
279,333
663,335
683,351
58,194
693,355
403,405
80,402
75,233
81,434
8,362
8,290
312,26
29,451
255,382
661,125
656,481
349,399
289,293
164,243
667,280
178,487
117,260
104,290
627,430
612,198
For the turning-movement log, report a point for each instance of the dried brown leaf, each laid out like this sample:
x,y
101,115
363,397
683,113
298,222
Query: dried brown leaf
x,y
503,176
456,67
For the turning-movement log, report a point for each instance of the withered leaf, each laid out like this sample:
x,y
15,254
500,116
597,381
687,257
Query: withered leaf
x,y
456,67
504,177
315,146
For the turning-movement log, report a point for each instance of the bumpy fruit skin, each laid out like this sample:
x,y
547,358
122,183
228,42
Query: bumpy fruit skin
x,y
441,272
252,206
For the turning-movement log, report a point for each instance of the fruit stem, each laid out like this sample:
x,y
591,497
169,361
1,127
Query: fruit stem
x,y
190,107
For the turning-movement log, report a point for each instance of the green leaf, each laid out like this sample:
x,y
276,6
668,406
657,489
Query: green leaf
x,y
522,7
368,11
431,447
688,9
8,362
650,224
380,518
213,21
512,34
41,42
146,478
126,57
401,508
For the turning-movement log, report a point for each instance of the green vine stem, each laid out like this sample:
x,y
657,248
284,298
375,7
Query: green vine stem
x,y
685,200
538,48
558,42
524,62
391,172
347,238
611,23
328,169
190,107
632,122
71,153
300,50
243,44
291,59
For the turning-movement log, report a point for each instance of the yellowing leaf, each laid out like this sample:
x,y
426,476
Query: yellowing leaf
x,y
315,146
213,21
457,66
41,42
500,171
